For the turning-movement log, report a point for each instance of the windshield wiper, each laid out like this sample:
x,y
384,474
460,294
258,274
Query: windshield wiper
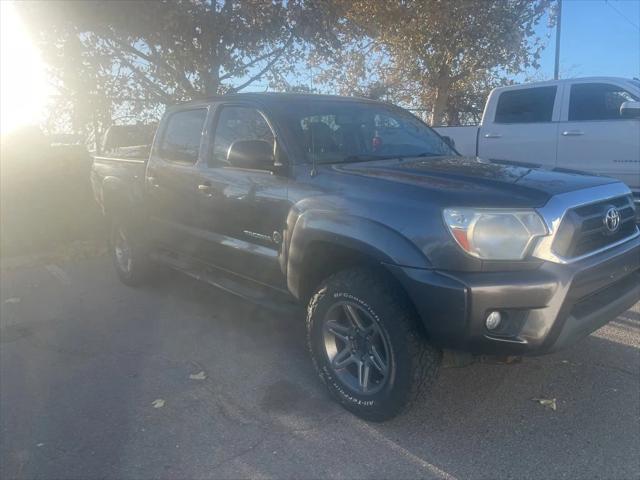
x,y
361,158
424,154
370,157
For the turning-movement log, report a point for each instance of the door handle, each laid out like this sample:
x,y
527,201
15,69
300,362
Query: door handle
x,y
153,181
572,133
492,135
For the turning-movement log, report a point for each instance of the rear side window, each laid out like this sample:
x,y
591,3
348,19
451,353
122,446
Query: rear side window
x,y
182,135
527,105
596,101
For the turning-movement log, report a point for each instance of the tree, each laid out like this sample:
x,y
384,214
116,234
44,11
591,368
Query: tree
x,y
443,48
136,54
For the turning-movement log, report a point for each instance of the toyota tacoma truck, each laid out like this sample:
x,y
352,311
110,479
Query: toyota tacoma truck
x,y
399,248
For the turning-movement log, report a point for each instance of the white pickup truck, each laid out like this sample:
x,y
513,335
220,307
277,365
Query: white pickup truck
x,y
589,124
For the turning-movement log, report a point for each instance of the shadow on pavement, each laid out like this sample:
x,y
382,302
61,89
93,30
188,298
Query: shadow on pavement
x,y
93,356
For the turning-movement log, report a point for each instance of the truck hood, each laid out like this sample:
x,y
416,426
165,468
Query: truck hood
x,y
477,177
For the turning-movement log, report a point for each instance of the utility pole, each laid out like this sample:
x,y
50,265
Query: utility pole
x,y
556,70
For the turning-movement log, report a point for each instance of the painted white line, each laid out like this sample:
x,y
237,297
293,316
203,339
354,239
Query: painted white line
x,y
439,473
59,273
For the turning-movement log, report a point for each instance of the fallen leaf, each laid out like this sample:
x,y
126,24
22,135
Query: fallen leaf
x,y
158,403
547,402
12,300
198,376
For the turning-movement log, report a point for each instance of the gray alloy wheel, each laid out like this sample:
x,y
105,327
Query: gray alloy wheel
x,y
357,348
122,251
367,346
129,256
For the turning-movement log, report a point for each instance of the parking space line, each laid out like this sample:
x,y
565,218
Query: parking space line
x,y
58,273
406,453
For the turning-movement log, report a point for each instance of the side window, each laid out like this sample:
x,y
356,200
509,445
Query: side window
x,y
596,101
182,135
237,123
527,105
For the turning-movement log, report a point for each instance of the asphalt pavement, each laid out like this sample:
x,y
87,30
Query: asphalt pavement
x,y
179,380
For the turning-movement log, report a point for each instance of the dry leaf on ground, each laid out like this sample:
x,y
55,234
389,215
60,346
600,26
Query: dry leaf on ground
x,y
547,402
198,376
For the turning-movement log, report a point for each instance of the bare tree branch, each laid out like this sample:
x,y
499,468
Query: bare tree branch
x,y
271,63
160,94
239,69
180,77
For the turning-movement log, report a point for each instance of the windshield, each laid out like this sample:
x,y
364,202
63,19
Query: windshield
x,y
341,131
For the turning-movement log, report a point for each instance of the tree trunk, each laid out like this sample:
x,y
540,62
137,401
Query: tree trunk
x,y
213,82
453,116
443,83
441,103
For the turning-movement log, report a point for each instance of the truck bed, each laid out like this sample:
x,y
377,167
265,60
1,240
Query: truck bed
x,y
122,176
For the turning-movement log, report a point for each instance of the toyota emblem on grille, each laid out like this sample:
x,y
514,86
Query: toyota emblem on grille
x,y
612,219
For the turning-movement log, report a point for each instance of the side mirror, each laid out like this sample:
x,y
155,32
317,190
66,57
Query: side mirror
x,y
630,110
449,141
252,154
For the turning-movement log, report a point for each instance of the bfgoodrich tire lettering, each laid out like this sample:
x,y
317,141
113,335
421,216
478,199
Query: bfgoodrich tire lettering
x,y
411,363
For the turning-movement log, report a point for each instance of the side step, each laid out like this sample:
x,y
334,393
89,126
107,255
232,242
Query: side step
x,y
271,298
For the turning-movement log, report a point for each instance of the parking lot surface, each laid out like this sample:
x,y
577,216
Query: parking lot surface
x,y
180,380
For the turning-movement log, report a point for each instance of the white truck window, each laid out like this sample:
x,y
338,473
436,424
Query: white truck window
x,y
527,105
596,101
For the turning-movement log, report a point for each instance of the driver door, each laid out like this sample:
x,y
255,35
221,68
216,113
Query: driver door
x,y
241,211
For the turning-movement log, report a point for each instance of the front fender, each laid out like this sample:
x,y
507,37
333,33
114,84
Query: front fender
x,y
373,239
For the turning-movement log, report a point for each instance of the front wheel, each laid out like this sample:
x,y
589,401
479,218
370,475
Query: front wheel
x,y
366,347
129,256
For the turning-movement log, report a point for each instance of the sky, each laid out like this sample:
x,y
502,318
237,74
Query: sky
x,y
599,37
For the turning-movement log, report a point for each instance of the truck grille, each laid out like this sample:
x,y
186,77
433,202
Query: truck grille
x,y
583,228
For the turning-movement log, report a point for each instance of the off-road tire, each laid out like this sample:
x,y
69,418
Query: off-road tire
x,y
139,266
414,363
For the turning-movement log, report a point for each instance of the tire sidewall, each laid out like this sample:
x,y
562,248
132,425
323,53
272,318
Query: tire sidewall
x,y
132,276
393,396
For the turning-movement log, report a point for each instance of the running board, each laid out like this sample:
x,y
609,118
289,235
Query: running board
x,y
268,297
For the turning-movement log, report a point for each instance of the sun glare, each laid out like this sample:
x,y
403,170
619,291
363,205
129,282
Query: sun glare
x,y
23,84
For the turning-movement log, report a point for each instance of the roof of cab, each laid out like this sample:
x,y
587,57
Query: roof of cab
x,y
564,80
271,97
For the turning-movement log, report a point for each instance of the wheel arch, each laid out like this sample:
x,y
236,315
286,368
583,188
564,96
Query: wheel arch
x,y
116,198
323,243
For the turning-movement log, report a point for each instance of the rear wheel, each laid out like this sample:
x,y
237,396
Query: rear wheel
x,y
365,344
129,256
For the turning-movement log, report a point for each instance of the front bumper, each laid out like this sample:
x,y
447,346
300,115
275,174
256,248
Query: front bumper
x,y
546,309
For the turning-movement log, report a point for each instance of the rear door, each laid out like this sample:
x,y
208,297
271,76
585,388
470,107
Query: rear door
x,y
594,137
524,126
171,183
241,212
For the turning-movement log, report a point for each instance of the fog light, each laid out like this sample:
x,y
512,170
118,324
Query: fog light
x,y
493,320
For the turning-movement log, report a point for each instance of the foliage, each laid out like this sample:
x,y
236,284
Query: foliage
x,y
122,60
437,54
129,57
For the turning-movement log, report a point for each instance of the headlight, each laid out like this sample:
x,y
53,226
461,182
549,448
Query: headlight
x,y
494,234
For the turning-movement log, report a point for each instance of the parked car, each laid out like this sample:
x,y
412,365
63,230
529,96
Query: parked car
x,y
398,247
589,124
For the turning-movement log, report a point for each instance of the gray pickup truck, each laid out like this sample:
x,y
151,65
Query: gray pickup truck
x,y
399,248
